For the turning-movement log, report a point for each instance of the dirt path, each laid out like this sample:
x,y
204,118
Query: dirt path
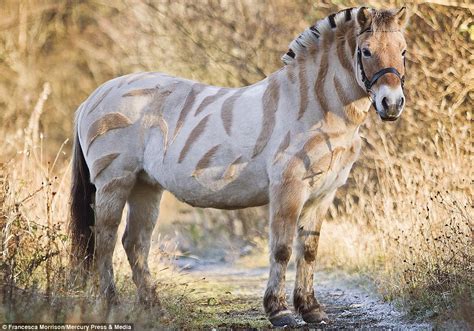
x,y
234,295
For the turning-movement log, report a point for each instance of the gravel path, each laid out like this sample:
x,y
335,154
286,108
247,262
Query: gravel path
x,y
347,302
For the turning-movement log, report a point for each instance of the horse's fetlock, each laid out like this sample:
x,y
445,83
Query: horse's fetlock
x,y
303,301
273,303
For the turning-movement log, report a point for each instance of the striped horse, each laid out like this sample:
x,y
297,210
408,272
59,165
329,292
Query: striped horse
x,y
289,141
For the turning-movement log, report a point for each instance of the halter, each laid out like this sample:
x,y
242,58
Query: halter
x,y
368,83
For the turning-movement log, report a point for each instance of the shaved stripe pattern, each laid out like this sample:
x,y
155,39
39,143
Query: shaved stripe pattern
x,y
101,164
343,97
100,99
188,104
110,121
227,110
157,121
283,146
229,173
288,141
209,100
142,92
271,97
205,161
341,49
193,137
303,89
320,80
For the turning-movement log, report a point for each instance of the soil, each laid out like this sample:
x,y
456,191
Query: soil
x,y
234,294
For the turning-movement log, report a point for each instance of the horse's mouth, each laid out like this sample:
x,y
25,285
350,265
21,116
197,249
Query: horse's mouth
x,y
389,118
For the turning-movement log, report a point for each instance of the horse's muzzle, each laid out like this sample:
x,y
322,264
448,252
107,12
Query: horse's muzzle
x,y
391,111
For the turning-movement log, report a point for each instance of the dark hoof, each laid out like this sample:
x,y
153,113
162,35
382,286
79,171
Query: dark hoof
x,y
315,316
283,318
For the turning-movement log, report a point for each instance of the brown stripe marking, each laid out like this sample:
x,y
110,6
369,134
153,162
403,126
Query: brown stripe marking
x,y
303,89
317,139
157,120
283,146
99,165
188,104
209,100
343,97
341,48
193,137
110,121
319,167
323,164
290,72
228,108
123,80
353,114
271,97
335,153
119,182
205,161
154,116
351,38
100,99
142,92
229,173
321,79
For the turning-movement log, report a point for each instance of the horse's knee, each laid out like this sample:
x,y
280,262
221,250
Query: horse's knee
x,y
282,254
309,253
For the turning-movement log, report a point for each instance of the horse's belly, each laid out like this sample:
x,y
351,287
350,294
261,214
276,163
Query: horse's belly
x,y
245,185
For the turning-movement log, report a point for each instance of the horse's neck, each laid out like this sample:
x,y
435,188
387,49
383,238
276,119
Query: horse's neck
x,y
324,86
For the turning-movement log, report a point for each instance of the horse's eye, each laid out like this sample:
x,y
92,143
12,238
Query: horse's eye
x,y
403,53
366,52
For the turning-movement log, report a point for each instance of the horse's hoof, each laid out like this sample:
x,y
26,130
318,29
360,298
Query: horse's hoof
x,y
315,316
283,318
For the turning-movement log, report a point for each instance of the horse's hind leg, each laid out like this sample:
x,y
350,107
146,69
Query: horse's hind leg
x,y
143,203
309,227
109,202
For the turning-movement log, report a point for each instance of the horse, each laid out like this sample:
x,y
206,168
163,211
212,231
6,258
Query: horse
x,y
288,141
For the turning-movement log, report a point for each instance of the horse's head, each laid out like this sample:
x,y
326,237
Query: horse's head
x,y
380,59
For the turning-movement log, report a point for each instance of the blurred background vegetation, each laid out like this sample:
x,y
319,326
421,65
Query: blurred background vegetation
x,y
405,216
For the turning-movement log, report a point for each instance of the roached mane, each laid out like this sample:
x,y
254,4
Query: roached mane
x,y
382,21
311,35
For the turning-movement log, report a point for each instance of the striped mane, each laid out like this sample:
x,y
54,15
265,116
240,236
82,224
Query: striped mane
x,y
340,22
312,35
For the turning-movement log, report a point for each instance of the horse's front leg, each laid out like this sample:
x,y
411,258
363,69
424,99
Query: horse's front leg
x,y
286,202
309,227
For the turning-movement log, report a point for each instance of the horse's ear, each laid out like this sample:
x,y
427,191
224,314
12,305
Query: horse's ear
x,y
364,18
401,17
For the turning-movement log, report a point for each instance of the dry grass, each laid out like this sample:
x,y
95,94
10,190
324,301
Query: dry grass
x,y
405,217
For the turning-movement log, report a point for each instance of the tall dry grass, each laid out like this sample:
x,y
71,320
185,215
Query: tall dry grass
x,y
405,217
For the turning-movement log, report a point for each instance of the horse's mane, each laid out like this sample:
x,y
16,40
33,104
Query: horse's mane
x,y
382,20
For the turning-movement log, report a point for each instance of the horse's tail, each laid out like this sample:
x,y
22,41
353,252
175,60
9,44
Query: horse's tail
x,y
82,214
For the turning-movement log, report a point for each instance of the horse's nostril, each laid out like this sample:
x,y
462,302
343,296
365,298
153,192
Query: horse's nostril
x,y
384,103
401,102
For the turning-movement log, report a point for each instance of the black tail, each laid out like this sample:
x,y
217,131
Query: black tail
x,y
82,214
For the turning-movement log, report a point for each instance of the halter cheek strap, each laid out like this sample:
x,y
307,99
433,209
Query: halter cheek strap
x,y
371,82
